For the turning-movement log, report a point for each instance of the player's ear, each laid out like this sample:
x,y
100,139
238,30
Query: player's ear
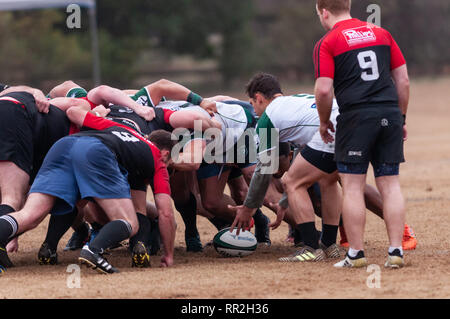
x,y
165,155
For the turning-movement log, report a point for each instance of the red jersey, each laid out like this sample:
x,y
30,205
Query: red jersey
x,y
359,57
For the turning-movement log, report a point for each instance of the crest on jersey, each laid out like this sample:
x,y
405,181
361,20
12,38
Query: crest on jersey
x,y
359,35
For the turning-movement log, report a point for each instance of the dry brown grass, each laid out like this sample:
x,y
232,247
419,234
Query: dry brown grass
x,y
425,179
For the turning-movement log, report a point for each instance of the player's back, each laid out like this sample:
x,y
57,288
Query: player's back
x,y
359,57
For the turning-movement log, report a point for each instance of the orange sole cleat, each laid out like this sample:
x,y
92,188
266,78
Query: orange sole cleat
x,y
409,238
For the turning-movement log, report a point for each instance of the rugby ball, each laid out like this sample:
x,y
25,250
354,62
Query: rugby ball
x,y
229,244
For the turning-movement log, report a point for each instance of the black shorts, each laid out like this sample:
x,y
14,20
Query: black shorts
x,y
372,134
16,135
321,160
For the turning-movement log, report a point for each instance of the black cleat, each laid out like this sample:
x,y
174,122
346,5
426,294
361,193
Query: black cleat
x,y
140,257
5,262
46,256
77,241
262,231
193,244
96,261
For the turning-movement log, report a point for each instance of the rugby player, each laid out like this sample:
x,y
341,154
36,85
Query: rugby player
x,y
368,72
94,164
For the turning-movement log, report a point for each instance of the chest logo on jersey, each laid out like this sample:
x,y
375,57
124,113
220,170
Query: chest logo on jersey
x,y
359,35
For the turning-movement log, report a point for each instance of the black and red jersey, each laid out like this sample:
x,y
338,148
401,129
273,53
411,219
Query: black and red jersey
x,y
359,57
140,157
128,117
47,127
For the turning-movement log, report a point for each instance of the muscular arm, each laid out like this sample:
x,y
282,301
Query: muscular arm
x,y
167,227
258,187
64,103
187,119
42,103
401,80
323,92
105,95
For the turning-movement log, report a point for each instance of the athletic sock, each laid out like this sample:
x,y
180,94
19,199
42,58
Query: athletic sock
x,y
111,234
329,235
309,234
298,238
219,223
261,226
155,237
188,212
144,233
6,209
395,251
8,229
57,227
355,253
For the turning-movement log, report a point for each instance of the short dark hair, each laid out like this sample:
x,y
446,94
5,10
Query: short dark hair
x,y
162,139
334,6
264,83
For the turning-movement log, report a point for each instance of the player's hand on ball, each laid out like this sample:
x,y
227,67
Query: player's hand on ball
x,y
325,129
243,217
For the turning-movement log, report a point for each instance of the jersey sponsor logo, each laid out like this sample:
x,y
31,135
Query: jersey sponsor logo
x,y
125,110
359,35
142,100
354,153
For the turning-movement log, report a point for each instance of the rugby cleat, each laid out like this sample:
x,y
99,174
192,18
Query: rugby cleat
x,y
5,262
409,241
77,241
46,256
395,260
331,251
193,244
140,257
305,254
358,262
95,261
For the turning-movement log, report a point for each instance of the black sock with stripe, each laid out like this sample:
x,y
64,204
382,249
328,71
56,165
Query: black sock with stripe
x,y
6,209
8,229
111,234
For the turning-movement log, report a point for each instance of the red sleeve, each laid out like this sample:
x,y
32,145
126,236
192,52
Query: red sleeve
x,y
323,59
93,105
99,123
161,183
397,58
167,115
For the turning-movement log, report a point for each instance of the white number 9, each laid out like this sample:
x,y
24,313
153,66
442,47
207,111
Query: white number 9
x,y
368,60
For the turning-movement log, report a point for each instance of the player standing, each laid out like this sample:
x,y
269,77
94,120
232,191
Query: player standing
x,y
371,85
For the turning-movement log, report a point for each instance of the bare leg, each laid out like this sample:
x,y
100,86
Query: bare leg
x,y
35,210
213,198
354,208
331,199
14,184
120,208
393,208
